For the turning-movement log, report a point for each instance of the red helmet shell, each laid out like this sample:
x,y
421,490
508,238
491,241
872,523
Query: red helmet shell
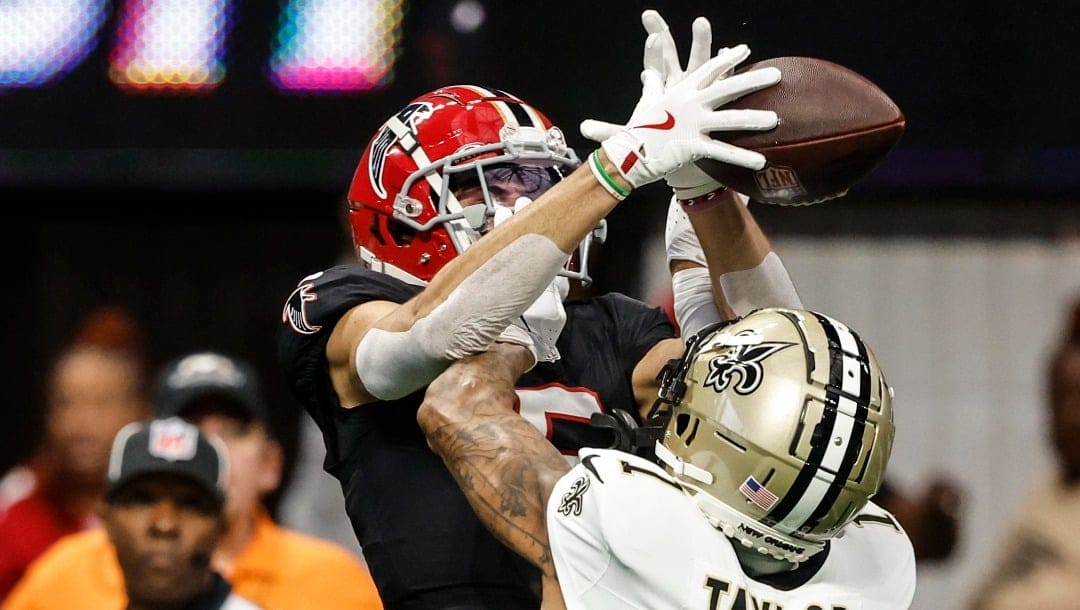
x,y
404,220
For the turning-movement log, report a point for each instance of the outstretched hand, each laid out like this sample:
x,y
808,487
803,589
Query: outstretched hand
x,y
661,56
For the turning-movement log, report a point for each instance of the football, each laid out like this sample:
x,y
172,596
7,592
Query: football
x,y
835,127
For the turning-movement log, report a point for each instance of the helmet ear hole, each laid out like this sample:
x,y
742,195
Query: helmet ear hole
x,y
686,426
402,235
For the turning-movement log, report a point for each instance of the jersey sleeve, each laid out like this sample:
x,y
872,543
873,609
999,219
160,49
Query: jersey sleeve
x,y
641,325
589,526
308,318
575,529
885,559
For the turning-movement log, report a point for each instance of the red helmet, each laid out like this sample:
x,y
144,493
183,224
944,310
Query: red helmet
x,y
405,218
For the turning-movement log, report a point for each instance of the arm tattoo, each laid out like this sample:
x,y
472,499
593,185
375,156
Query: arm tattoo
x,y
503,464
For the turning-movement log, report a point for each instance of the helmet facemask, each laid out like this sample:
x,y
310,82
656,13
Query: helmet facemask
x,y
780,424
535,159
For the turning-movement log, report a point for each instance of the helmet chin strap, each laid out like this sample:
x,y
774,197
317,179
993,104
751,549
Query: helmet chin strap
x,y
680,467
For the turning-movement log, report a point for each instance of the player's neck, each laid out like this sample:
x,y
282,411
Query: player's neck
x,y
757,564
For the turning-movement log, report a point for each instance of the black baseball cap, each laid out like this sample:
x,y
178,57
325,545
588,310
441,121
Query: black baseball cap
x,y
199,375
168,446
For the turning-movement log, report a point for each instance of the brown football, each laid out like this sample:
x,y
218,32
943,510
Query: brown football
x,y
835,127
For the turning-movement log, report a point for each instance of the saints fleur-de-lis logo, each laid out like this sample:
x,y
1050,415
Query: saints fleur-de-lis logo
x,y
744,360
571,500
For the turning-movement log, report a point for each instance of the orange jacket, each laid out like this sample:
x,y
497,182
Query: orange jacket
x,y
279,570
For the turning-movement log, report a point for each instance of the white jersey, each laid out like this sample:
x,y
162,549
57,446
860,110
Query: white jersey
x,y
623,534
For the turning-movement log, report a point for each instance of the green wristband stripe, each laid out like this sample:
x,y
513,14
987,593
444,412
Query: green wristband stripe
x,y
605,180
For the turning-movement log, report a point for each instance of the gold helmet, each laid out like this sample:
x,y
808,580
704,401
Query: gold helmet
x,y
781,426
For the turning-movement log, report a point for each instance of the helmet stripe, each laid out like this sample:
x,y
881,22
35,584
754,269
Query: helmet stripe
x,y
827,467
513,110
522,116
853,401
505,110
525,114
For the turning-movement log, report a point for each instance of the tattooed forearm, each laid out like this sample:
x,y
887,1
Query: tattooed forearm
x,y
503,464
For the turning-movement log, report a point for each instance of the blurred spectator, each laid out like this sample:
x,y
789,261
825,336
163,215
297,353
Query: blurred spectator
x,y
931,518
1038,563
95,387
163,516
276,568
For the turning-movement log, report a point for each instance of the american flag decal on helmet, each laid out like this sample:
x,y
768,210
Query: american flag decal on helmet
x,y
758,494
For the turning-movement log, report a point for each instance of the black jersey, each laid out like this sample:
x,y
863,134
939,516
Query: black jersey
x,y
423,543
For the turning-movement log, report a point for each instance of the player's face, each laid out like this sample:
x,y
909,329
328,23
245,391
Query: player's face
x,y
164,529
507,183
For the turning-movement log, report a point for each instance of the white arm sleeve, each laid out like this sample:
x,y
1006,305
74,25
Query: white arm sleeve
x,y
392,365
767,285
695,307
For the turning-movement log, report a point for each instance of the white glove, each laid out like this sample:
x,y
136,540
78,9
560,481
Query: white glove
x,y
539,327
661,55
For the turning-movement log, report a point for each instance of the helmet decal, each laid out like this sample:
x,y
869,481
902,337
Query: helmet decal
x,y
408,117
746,360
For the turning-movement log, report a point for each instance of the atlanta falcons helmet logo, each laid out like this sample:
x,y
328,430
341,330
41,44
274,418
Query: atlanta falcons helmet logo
x,y
295,313
746,360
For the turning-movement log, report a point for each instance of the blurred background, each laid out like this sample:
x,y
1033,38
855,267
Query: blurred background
x,y
187,160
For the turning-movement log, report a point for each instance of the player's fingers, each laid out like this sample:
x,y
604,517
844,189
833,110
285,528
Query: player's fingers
x,y
652,84
653,22
707,73
701,47
726,153
740,119
661,53
598,131
738,85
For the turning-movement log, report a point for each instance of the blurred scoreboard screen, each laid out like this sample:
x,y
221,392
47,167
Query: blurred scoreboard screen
x,y
183,73
291,90
180,46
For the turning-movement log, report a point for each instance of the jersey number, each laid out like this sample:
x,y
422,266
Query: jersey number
x,y
562,414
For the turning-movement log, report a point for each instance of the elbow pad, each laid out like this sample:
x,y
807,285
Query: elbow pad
x,y
392,365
